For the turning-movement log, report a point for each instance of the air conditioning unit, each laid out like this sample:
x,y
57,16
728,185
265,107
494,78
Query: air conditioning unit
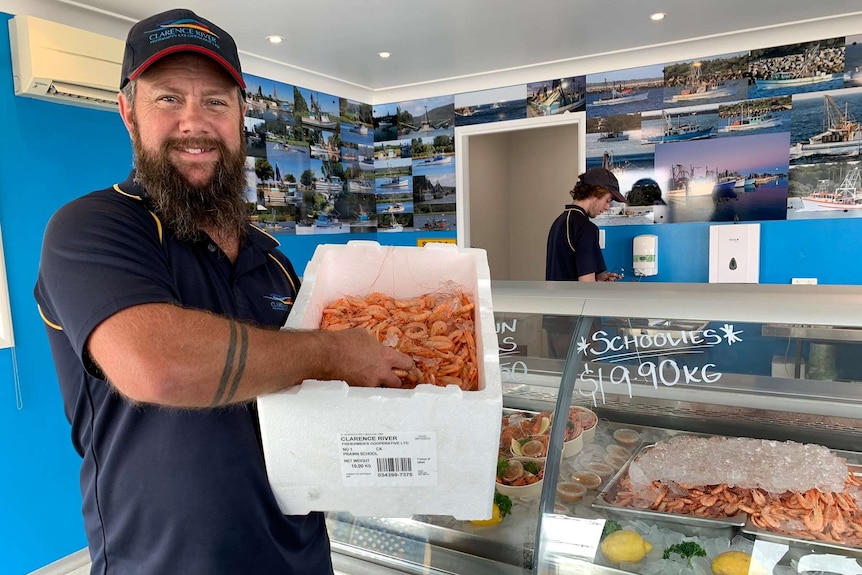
x,y
62,64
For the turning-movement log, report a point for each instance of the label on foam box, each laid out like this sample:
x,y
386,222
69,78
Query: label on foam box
x,y
402,458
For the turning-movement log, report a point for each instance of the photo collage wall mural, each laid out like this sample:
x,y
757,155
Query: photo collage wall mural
x,y
414,165
310,166
767,134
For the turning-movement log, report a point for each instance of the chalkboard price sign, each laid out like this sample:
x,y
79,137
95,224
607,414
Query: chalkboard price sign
x,y
651,351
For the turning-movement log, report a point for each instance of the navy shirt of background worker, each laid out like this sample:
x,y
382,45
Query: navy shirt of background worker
x,y
573,241
573,252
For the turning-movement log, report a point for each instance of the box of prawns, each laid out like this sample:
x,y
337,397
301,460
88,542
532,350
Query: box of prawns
x,y
429,448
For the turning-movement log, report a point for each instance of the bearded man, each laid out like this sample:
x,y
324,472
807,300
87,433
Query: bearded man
x,y
162,306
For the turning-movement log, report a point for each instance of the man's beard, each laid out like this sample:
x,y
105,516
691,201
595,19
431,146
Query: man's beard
x,y
217,207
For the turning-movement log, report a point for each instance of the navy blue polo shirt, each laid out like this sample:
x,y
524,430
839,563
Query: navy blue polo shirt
x,y
573,246
167,490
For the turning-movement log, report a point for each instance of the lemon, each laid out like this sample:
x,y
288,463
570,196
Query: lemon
x,y
625,545
736,563
496,517
543,427
516,447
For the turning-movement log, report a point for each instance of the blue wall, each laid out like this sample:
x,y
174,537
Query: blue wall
x,y
48,154
301,248
829,250
51,153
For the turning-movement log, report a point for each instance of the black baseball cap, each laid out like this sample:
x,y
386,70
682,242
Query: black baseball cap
x,y
176,31
604,178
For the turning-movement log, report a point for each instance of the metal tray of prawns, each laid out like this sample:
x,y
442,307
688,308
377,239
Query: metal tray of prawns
x,y
696,525
815,544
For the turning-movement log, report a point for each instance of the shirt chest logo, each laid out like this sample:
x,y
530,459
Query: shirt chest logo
x,y
279,302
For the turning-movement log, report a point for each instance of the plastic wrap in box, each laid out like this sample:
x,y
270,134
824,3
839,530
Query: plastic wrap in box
x,y
387,452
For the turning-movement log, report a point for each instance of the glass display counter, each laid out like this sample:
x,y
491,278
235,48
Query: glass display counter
x,y
709,429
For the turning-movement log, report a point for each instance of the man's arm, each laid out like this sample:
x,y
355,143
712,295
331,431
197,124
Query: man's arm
x,y
168,355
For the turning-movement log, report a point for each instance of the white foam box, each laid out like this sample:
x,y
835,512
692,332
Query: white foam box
x,y
387,452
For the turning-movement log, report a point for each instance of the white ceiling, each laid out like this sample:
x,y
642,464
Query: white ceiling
x,y
441,40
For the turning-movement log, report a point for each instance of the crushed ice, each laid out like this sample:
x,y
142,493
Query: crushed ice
x,y
773,466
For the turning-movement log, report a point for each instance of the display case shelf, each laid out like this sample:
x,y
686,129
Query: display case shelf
x,y
814,332
689,359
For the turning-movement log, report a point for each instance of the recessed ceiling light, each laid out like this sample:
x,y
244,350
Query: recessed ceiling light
x,y
384,55
657,16
275,39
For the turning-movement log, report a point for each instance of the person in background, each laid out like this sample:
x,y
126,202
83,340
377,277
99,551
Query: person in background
x,y
573,252
573,241
163,307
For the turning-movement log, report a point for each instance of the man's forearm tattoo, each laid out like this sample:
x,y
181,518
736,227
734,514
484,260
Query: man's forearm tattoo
x,y
240,362
237,352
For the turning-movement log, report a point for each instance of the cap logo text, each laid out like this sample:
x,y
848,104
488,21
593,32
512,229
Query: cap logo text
x,y
185,28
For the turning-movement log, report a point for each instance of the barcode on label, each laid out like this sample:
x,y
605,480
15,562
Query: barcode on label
x,y
394,464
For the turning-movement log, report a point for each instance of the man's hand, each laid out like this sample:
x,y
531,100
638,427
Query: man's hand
x,y
608,276
364,362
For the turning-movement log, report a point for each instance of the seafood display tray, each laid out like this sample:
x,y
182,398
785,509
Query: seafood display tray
x,y
751,529
815,544
692,525
697,526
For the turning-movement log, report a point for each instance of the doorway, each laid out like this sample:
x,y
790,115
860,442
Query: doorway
x,y
512,180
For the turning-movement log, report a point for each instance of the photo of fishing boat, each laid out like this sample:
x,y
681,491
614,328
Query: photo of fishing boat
x,y
610,132
837,132
825,190
332,184
709,179
613,136
433,223
798,68
699,88
612,129
323,223
393,182
428,117
782,79
316,117
628,91
689,182
358,186
271,101
752,121
355,120
394,202
396,227
675,129
325,148
700,81
436,160
494,105
845,196
556,96
618,94
728,182
751,115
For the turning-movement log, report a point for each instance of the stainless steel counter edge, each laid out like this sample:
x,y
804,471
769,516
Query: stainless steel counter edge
x,y
763,303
